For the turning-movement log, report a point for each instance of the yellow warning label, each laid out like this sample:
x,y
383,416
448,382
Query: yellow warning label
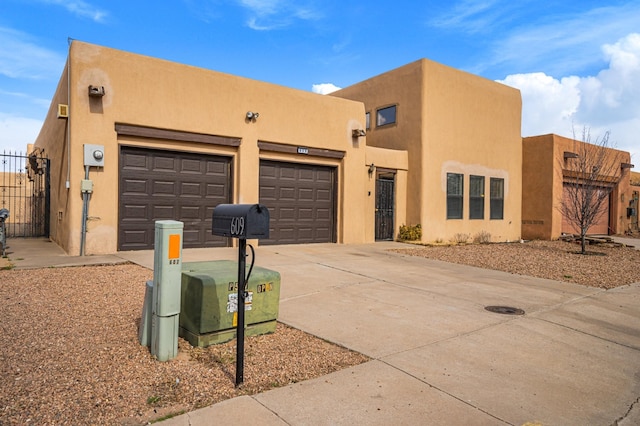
x,y
174,246
235,319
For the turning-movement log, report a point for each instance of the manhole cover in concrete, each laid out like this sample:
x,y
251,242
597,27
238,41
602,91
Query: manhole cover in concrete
x,y
505,310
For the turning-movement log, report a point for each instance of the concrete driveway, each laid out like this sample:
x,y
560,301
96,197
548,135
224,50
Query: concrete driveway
x,y
438,357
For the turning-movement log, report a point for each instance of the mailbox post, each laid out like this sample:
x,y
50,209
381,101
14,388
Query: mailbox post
x,y
242,221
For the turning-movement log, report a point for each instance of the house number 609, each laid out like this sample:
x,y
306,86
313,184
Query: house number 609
x,y
237,226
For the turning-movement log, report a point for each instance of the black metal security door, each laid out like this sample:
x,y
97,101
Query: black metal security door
x,y
384,206
24,191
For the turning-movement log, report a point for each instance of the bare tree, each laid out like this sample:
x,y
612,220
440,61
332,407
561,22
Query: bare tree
x,y
591,172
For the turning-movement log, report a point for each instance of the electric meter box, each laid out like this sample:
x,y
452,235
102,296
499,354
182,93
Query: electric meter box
x,y
209,302
248,221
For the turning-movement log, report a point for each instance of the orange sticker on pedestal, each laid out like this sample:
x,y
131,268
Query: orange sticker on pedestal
x,y
174,246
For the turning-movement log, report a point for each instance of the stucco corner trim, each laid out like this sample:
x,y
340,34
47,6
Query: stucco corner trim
x,y
174,135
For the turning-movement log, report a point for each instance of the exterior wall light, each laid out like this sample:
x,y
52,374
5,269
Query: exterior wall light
x,y
372,168
252,116
357,133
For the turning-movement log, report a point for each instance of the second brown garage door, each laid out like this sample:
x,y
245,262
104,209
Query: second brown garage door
x,y
168,185
301,202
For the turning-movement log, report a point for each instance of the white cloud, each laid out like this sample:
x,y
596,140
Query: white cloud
x,y
17,132
324,88
274,14
567,43
609,101
82,9
20,58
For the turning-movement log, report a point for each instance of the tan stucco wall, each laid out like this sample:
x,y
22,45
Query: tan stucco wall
x,y
543,185
449,121
398,161
538,174
52,140
155,93
401,87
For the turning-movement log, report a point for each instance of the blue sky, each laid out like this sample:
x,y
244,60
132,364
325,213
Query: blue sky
x,y
576,63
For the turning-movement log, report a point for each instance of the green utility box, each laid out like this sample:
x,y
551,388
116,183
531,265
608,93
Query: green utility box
x,y
208,311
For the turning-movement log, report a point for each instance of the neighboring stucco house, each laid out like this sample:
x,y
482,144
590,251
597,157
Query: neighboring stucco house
x,y
444,151
462,133
547,170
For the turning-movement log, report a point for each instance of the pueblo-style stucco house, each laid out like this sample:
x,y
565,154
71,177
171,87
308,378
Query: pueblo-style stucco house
x,y
462,133
135,139
547,172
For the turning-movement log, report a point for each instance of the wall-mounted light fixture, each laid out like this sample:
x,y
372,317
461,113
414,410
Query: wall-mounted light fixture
x,y
372,168
568,155
252,116
358,133
96,91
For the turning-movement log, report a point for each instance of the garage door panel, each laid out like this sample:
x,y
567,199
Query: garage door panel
x,y
194,212
162,185
305,194
287,194
216,168
135,161
191,166
305,214
135,187
161,188
140,212
323,195
304,209
323,214
191,189
164,164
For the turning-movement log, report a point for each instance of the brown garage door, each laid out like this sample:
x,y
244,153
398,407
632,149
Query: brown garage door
x,y
168,185
301,202
600,227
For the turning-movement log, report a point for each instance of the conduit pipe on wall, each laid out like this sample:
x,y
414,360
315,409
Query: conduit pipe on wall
x,y
85,212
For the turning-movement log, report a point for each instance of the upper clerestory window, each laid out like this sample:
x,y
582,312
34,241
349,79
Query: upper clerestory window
x,y
386,116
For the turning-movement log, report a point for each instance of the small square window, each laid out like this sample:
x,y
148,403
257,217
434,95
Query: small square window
x,y
386,116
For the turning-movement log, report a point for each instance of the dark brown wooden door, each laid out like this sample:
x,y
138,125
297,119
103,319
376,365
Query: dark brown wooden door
x,y
168,185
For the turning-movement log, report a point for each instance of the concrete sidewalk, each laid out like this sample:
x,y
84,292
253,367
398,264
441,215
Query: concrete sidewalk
x,y
438,357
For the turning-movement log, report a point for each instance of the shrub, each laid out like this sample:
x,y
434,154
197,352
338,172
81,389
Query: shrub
x,y
482,237
410,233
460,238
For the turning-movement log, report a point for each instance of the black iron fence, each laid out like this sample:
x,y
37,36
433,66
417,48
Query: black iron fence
x,y
24,191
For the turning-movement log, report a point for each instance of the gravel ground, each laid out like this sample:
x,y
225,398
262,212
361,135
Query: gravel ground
x,y
70,354
604,266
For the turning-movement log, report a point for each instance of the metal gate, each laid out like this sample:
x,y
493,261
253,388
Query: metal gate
x,y
384,206
24,191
